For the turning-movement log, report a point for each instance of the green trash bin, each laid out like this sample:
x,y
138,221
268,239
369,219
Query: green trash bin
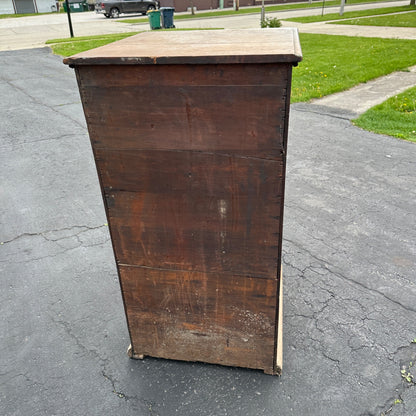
x,y
75,6
154,19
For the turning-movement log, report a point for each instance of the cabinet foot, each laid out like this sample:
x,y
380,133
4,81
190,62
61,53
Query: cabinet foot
x,y
133,355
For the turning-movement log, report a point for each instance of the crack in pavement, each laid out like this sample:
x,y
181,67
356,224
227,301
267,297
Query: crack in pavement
x,y
132,398
315,315
102,361
73,240
57,254
399,355
84,228
21,144
113,382
404,384
42,104
326,266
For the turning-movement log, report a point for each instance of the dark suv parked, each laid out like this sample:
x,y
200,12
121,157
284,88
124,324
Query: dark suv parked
x,y
113,8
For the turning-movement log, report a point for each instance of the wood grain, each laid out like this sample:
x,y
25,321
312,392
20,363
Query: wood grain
x,y
197,47
194,316
254,75
193,211
201,118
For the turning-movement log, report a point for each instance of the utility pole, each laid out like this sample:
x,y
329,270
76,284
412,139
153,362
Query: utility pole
x,y
341,10
68,13
262,16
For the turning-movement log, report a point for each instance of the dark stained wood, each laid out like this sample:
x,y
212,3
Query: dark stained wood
x,y
206,118
184,75
193,211
189,134
201,317
176,173
214,112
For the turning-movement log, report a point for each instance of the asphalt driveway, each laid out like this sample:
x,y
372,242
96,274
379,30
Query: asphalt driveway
x,y
349,272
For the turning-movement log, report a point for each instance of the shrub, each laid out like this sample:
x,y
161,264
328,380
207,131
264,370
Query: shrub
x,y
270,22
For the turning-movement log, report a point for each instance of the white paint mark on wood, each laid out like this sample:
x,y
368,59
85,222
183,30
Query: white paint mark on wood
x,y
222,208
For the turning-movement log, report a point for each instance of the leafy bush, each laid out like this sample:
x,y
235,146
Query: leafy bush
x,y
270,22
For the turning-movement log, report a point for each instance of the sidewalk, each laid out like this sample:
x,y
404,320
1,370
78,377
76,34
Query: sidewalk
x,y
362,97
354,30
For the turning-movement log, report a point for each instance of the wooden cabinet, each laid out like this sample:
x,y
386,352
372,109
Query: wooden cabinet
x,y
189,133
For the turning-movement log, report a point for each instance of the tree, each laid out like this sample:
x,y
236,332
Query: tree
x,y
412,3
191,3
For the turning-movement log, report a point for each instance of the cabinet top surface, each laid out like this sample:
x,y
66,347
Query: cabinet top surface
x,y
197,47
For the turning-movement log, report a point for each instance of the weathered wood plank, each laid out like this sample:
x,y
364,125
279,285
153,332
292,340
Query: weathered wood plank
x,y
216,119
199,317
185,234
193,211
184,75
178,172
279,45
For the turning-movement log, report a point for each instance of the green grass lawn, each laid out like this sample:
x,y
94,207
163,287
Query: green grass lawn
x,y
395,117
337,63
71,46
348,15
14,15
109,38
396,20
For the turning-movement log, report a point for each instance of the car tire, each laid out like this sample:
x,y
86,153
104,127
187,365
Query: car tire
x,y
107,15
114,12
